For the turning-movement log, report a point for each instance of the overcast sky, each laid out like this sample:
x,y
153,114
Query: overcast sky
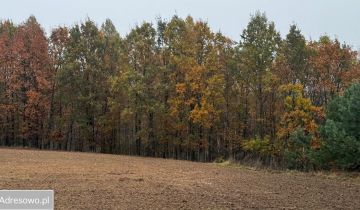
x,y
337,18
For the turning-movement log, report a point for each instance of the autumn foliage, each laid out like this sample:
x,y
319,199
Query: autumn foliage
x,y
174,89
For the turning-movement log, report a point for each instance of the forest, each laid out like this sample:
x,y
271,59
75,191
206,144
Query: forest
x,y
176,89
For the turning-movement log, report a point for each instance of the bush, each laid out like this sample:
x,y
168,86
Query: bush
x,y
299,154
258,146
219,159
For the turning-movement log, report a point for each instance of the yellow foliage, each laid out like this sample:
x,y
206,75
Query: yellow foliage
x,y
259,146
203,114
181,88
299,112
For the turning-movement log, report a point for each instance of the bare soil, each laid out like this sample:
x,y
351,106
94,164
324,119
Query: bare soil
x,y
101,181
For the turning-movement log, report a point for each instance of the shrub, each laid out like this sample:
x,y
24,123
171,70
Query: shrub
x,y
219,159
258,146
299,154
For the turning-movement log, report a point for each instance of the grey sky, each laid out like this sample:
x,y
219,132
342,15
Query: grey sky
x,y
337,18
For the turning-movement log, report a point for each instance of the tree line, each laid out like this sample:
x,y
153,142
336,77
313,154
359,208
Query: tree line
x,y
177,89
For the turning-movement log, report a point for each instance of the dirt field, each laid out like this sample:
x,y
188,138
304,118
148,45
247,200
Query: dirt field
x,y
99,181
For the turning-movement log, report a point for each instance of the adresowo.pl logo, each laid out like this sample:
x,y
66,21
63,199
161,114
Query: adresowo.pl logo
x,y
26,199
